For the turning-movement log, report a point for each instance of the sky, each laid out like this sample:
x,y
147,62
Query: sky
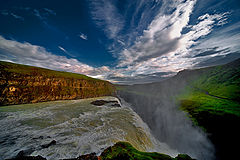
x,y
122,41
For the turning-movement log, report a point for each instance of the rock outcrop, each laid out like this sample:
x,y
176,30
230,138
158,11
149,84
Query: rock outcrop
x,y
21,84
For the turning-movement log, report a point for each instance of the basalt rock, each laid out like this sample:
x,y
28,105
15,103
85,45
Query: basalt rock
x,y
21,84
91,156
102,102
53,142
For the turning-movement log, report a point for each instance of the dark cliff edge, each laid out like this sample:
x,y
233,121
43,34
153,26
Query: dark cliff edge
x,y
20,84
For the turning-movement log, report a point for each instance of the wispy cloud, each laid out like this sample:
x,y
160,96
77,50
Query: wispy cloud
x,y
164,48
83,36
151,39
161,37
17,17
65,51
26,53
107,17
62,49
43,15
39,15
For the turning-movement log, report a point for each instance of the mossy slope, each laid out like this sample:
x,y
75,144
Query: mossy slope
x,y
125,151
212,101
216,91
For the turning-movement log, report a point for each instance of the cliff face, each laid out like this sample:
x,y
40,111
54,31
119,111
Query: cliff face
x,y
25,84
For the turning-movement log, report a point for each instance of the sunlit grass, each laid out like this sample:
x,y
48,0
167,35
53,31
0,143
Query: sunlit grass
x,y
30,70
124,150
197,102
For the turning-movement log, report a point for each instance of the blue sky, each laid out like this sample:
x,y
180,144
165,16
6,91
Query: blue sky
x,y
122,41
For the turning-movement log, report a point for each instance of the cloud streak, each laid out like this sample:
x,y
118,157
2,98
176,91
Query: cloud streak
x,y
7,13
65,51
83,36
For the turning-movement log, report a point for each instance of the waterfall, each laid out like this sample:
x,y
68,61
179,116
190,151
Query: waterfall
x,y
168,124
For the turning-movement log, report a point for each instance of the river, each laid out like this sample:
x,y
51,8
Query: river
x,y
77,126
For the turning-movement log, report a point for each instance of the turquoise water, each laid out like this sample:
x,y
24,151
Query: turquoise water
x,y
77,126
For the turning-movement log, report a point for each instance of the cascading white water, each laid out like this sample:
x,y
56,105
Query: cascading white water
x,y
77,126
169,124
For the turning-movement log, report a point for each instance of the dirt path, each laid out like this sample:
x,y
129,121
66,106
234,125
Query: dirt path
x,y
207,93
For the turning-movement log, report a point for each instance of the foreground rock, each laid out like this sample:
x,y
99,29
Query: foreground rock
x,y
53,142
120,151
91,156
103,102
22,157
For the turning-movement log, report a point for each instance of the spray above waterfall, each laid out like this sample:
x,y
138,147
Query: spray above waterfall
x,y
156,106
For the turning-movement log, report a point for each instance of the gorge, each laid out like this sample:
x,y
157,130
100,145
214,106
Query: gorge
x,y
162,117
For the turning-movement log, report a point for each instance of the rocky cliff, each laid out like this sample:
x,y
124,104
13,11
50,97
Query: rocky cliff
x,y
26,84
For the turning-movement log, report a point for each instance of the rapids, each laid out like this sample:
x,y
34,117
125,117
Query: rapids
x,y
77,126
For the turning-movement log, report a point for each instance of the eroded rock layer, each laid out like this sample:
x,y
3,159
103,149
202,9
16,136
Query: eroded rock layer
x,y
25,84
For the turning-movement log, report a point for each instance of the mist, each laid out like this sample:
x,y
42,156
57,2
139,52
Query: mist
x,y
156,106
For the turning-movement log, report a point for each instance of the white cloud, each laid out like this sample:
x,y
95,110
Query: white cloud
x,y
26,53
203,28
161,37
83,36
151,46
163,47
227,37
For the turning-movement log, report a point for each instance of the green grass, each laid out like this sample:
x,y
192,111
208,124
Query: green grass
x,y
30,70
220,81
125,151
197,101
223,96
216,90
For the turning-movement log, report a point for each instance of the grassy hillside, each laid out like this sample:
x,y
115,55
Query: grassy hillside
x,y
216,90
26,84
